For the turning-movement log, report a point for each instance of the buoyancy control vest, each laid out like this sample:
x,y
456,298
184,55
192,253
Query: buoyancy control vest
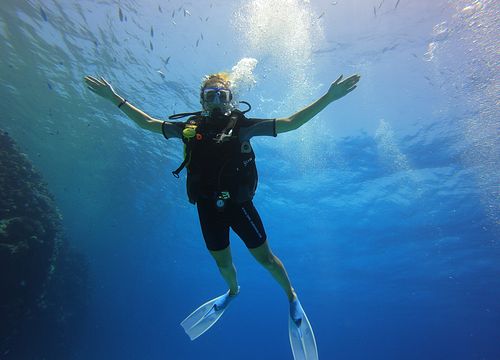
x,y
217,160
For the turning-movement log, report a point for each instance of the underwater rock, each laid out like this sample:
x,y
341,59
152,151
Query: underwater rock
x,y
43,280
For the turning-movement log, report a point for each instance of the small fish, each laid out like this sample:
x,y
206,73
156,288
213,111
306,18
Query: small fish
x,y
375,11
397,3
207,18
201,19
334,3
389,48
151,45
187,13
173,13
173,22
43,14
161,74
201,35
322,14
120,14
49,86
197,42
381,3
166,61
152,32
159,9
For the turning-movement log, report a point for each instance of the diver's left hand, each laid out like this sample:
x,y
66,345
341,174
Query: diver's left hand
x,y
341,88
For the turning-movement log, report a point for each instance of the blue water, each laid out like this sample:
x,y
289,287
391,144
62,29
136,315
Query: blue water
x,y
385,208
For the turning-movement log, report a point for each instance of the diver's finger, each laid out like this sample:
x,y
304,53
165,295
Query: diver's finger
x,y
104,81
94,83
98,77
353,78
350,83
91,78
351,89
338,80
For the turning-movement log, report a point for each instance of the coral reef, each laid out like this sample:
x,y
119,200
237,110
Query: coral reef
x,y
44,283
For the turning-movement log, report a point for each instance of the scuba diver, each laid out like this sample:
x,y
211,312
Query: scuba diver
x,y
221,181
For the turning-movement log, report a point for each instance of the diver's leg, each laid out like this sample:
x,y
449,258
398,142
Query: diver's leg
x,y
226,267
215,229
246,222
267,259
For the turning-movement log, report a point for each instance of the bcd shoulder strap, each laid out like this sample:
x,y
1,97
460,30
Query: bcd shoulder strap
x,y
192,123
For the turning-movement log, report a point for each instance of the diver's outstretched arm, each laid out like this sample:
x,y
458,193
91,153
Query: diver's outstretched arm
x,y
338,89
103,88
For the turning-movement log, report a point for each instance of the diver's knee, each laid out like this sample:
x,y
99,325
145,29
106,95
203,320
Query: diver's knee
x,y
267,261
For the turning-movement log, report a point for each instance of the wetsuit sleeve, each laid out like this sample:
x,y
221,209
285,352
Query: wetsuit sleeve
x,y
257,127
172,129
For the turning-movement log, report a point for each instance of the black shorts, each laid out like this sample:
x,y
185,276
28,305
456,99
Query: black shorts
x,y
242,218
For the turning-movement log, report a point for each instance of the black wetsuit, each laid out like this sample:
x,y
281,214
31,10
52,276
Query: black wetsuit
x,y
238,214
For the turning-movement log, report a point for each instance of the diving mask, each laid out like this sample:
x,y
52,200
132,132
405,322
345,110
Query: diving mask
x,y
216,95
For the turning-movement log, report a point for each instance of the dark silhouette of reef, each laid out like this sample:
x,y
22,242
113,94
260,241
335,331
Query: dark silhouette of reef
x,y
43,282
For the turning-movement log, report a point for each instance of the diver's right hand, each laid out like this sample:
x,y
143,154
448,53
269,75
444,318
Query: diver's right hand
x,y
101,87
